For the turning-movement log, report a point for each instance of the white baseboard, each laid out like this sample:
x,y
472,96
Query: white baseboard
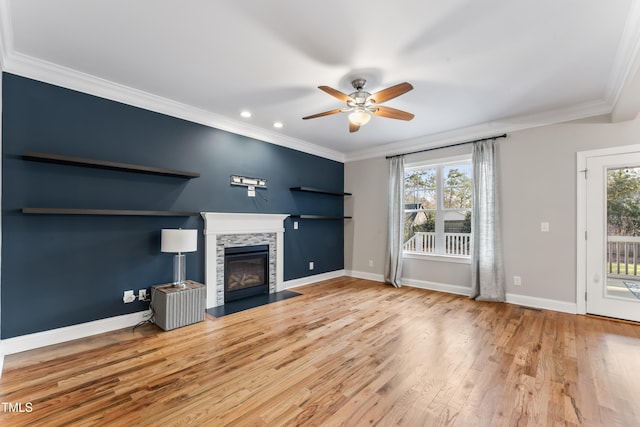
x,y
421,284
56,336
524,300
313,279
83,330
68,333
542,303
433,286
364,275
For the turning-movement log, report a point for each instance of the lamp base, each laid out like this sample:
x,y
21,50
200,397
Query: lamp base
x,y
179,270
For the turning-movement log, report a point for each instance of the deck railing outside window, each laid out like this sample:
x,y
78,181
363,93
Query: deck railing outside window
x,y
623,252
623,255
458,244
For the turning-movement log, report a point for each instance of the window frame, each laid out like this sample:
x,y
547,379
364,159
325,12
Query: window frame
x,y
440,210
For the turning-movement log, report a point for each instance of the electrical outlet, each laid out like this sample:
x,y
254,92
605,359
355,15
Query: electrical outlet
x,y
311,265
517,281
370,263
544,227
142,294
128,297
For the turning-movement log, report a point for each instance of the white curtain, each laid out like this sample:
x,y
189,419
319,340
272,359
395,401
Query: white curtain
x,y
395,233
487,274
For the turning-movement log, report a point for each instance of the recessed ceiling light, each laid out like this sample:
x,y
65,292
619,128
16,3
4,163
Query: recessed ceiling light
x,y
246,114
277,125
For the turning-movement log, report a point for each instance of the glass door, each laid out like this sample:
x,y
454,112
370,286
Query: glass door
x,y
613,236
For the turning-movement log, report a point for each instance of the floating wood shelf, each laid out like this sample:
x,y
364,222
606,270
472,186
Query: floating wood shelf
x,y
319,217
64,211
100,164
319,191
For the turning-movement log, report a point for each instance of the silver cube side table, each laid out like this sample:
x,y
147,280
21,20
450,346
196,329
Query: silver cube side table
x,y
174,307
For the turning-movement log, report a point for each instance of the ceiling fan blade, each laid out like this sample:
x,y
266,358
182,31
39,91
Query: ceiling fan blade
x,y
392,113
390,93
353,128
336,93
326,113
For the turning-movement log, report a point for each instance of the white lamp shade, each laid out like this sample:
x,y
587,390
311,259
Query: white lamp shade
x,y
179,240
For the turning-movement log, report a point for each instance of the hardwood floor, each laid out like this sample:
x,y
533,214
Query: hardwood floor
x,y
347,352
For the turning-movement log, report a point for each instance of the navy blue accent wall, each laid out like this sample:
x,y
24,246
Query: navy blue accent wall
x,y
61,270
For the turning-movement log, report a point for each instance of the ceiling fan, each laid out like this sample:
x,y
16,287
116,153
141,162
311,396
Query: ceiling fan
x,y
361,104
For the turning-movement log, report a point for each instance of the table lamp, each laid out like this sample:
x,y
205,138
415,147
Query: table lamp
x,y
179,241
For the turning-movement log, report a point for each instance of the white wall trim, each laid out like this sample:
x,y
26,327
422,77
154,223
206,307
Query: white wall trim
x,y
524,300
6,33
485,130
289,284
68,333
364,275
48,72
433,286
581,229
83,330
413,283
625,64
542,303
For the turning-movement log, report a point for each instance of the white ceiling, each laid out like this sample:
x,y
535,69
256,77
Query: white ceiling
x,y
478,67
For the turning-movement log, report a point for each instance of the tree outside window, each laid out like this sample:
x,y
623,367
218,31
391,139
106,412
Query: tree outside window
x,y
623,202
623,221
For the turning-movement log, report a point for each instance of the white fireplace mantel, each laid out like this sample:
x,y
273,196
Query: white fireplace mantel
x,y
220,223
242,223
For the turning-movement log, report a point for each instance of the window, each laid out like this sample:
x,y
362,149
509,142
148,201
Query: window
x,y
437,208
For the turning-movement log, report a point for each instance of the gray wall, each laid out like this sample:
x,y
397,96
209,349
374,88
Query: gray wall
x,y
538,183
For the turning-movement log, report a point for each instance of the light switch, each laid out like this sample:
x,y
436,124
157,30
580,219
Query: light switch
x,y
544,227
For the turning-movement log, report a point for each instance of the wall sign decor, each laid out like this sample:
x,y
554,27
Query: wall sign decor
x,y
250,183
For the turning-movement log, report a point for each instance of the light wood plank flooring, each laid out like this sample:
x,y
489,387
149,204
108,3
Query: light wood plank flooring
x,y
347,352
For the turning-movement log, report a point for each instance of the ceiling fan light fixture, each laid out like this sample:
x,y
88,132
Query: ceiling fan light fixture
x,y
361,104
359,117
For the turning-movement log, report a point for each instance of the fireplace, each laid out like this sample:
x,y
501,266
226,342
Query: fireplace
x,y
227,230
246,271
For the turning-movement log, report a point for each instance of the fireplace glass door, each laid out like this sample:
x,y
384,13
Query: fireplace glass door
x,y
246,271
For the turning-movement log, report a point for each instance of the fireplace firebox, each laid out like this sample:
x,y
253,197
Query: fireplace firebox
x,y
246,271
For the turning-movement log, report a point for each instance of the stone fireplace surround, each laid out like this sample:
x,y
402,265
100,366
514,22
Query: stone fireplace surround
x,y
241,229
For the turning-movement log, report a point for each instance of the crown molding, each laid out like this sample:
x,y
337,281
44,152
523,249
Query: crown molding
x,y
485,130
6,33
55,74
48,72
626,64
627,60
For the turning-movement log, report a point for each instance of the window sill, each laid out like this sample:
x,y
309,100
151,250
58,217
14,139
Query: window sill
x,y
434,257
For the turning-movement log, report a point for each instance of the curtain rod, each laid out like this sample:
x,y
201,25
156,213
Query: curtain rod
x,y
504,135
